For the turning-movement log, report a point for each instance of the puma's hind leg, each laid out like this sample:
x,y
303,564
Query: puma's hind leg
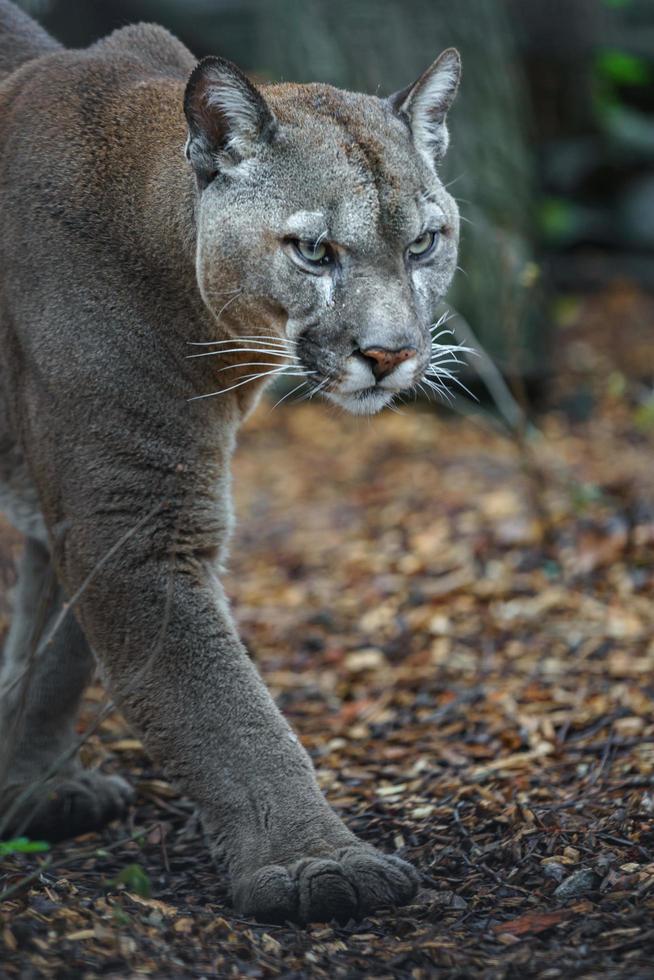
x,y
44,791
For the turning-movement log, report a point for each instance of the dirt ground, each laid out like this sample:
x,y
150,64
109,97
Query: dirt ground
x,y
464,638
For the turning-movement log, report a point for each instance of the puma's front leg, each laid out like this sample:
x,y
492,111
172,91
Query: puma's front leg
x,y
176,667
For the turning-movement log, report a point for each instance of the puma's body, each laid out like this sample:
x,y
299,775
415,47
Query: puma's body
x,y
116,253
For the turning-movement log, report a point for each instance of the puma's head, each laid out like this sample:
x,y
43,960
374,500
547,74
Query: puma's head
x,y
321,212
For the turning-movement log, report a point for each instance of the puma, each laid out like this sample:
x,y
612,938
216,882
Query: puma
x,y
152,208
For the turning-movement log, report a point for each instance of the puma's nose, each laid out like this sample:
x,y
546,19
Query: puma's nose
x,y
383,361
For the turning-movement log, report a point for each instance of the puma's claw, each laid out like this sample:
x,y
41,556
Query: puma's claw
x,y
68,807
353,883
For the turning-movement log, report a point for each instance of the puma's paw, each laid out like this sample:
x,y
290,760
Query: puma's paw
x,y
66,807
350,885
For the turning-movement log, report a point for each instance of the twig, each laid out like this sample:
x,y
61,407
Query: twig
x,y
20,886
484,365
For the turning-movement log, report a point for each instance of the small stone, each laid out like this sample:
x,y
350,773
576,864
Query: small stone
x,y
448,899
554,870
580,883
605,860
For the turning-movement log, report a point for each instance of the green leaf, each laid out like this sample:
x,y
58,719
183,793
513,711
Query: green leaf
x,y
119,916
556,218
22,845
566,310
552,569
135,880
616,384
584,495
622,68
644,415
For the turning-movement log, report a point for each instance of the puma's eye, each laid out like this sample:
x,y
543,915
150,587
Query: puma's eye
x,y
422,245
317,253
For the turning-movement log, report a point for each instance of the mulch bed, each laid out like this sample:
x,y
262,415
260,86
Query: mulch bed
x,y
464,640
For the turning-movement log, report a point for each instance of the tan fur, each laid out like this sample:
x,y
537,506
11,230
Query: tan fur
x,y
118,254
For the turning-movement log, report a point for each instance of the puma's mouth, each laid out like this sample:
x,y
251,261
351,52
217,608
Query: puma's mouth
x,y
362,389
365,380
366,401
363,398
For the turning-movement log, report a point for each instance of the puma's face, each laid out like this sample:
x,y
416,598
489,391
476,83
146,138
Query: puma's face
x,y
322,213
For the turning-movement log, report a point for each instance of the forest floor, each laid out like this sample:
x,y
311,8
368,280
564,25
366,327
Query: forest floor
x,y
463,635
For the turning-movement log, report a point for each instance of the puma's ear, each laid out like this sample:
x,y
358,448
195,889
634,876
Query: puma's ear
x,y
226,117
425,104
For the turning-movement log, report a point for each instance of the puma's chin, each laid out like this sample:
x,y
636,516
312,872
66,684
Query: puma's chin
x,y
366,401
